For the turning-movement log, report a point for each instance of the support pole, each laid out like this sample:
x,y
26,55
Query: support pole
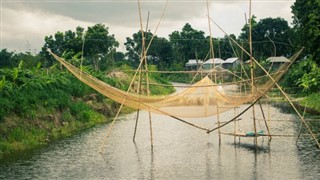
x,y
278,86
214,65
252,74
138,111
264,119
148,87
135,127
235,125
300,129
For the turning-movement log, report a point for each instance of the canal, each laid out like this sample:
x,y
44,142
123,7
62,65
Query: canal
x,y
180,152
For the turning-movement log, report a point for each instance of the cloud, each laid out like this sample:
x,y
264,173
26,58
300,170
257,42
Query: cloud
x,y
25,30
26,23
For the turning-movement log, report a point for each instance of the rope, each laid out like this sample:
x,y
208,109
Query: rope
x,y
278,86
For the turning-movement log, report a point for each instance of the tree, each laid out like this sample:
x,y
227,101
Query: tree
x,y
67,44
307,22
99,45
162,53
12,60
159,52
188,44
5,58
134,47
270,36
224,48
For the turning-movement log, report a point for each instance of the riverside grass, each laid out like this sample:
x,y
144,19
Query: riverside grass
x,y
39,106
312,101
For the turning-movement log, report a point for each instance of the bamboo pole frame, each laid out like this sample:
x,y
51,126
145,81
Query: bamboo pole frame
x,y
278,86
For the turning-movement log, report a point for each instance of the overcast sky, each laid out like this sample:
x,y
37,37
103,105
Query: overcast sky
x,y
25,23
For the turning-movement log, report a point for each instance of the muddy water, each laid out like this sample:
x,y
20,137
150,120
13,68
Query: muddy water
x,y
180,152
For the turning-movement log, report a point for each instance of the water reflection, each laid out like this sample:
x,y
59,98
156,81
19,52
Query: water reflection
x,y
180,152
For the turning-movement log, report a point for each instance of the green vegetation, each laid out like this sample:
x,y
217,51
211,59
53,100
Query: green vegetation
x,y
39,105
312,101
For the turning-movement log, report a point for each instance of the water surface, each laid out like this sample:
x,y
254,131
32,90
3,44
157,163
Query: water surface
x,y
180,152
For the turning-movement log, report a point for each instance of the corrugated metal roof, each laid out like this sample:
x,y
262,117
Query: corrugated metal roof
x,y
214,61
231,60
280,59
193,62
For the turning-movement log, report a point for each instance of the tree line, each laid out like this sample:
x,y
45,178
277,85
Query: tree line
x,y
100,48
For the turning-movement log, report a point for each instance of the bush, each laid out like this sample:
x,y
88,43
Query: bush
x,y
312,101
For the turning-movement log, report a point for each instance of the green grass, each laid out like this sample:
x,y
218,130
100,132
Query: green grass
x,y
41,107
312,101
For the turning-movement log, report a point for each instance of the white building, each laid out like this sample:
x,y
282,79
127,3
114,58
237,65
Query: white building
x,y
277,61
231,63
193,64
211,63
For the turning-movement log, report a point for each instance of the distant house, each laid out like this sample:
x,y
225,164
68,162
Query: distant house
x,y
211,63
277,61
231,63
193,64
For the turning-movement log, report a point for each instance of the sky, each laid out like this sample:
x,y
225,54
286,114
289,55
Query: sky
x,y
25,23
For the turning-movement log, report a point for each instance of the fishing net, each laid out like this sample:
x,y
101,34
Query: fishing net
x,y
201,99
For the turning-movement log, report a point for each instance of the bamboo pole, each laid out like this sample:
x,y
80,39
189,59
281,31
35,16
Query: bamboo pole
x,y
235,126
278,86
148,91
214,65
136,125
235,118
144,59
269,120
140,69
134,76
138,111
264,118
300,129
252,73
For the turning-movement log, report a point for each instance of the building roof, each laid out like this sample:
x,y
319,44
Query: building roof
x,y
214,61
231,60
193,62
278,59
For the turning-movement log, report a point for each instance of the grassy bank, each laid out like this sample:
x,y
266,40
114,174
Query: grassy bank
x,y
39,106
310,104
312,101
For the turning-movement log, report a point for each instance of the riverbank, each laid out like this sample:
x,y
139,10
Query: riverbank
x,y
311,102
40,106
309,108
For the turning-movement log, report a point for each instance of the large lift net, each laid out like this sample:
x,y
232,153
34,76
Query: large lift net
x,y
201,99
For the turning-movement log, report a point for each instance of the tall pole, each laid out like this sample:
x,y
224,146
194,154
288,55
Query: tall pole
x,y
252,72
148,84
214,65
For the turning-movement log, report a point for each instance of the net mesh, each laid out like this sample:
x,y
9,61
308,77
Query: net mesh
x,y
201,99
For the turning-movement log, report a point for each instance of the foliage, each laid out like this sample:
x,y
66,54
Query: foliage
x,y
297,78
159,52
52,103
307,21
188,44
224,49
312,101
29,95
270,36
98,46
11,60
311,81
